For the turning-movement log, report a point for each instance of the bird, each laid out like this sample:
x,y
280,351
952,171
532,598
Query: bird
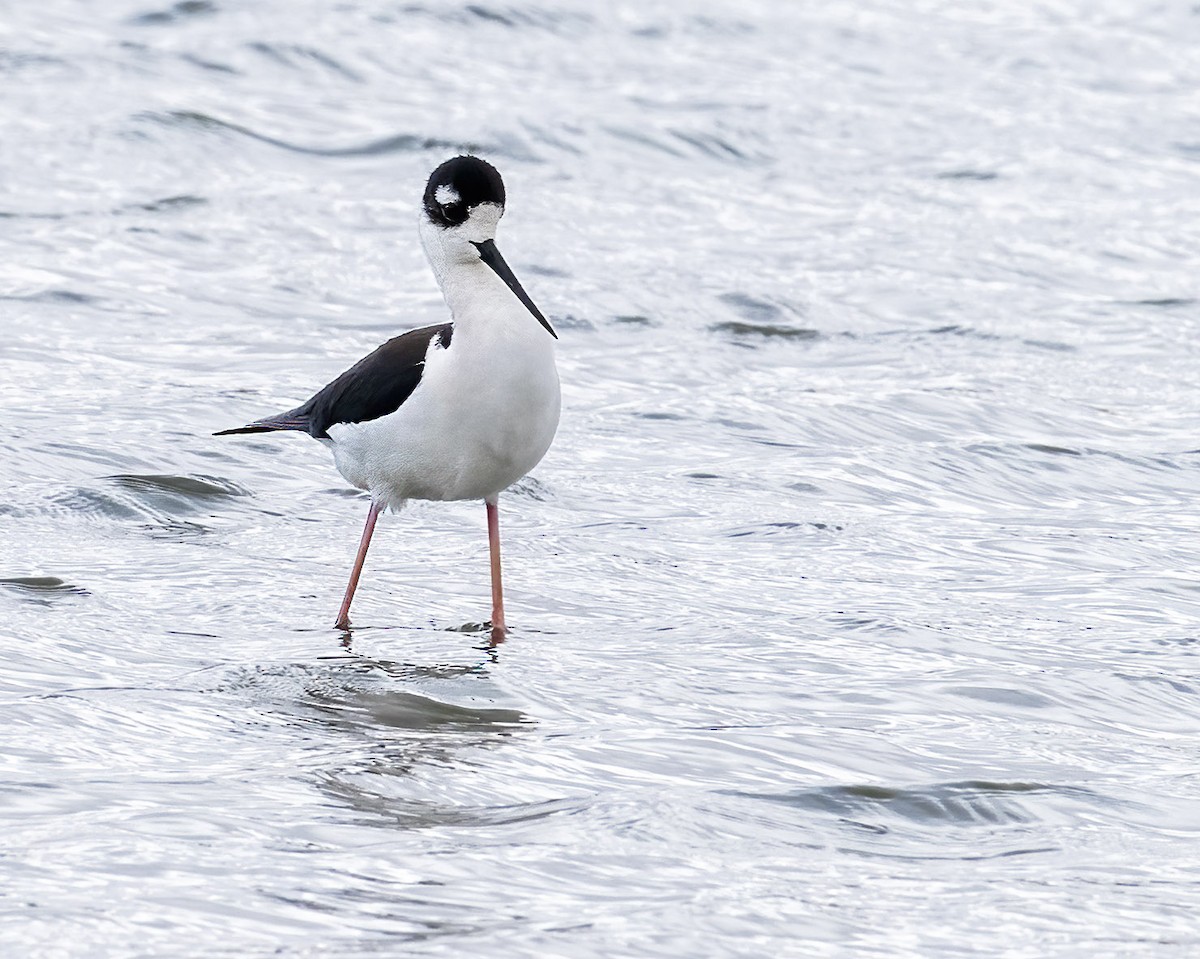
x,y
455,411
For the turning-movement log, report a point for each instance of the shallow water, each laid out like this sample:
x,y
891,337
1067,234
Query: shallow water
x,y
855,608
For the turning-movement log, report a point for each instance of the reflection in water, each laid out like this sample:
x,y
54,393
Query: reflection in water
x,y
495,637
391,730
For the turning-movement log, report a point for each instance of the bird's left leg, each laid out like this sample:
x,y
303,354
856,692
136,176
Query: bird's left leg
x,y
493,517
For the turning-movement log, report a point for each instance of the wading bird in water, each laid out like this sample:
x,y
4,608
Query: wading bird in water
x,y
461,410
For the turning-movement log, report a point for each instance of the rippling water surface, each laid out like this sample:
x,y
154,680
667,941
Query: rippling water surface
x,y
855,609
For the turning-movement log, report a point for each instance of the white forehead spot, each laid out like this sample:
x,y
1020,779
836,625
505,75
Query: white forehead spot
x,y
446,194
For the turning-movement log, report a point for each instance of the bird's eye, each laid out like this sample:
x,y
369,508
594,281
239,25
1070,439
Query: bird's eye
x,y
449,205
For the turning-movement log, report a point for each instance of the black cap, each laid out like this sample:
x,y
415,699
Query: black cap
x,y
458,186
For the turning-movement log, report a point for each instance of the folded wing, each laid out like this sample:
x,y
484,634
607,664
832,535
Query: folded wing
x,y
376,385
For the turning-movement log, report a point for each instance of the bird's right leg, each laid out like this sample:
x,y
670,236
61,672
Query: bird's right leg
x,y
343,620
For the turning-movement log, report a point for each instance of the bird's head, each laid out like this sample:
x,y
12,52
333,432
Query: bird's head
x,y
461,209
464,200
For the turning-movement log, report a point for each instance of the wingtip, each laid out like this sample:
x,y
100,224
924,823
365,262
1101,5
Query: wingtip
x,y
243,429
284,421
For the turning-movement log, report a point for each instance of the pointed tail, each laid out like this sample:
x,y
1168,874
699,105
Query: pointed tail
x,y
292,420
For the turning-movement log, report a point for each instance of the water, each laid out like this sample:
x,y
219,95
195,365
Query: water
x,y
855,608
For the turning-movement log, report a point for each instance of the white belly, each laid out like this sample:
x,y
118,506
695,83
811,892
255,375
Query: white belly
x,y
482,417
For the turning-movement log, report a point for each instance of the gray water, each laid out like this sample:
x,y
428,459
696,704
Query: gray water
x,y
855,609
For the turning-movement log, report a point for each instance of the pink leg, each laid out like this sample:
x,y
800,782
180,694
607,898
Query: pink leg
x,y
498,627
343,620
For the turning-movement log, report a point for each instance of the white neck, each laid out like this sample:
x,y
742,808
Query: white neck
x,y
477,297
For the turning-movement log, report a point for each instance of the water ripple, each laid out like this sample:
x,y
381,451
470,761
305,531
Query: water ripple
x,y
397,143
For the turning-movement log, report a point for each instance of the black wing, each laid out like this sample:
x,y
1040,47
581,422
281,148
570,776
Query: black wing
x,y
376,385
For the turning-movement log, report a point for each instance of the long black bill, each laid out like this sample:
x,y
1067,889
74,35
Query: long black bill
x,y
491,256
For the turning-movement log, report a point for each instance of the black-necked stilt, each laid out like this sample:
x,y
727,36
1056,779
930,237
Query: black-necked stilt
x,y
461,410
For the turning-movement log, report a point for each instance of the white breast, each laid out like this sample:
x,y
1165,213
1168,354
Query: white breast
x,y
483,415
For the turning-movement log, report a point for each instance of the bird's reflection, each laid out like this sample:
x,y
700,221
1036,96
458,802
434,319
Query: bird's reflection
x,y
495,636
393,717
